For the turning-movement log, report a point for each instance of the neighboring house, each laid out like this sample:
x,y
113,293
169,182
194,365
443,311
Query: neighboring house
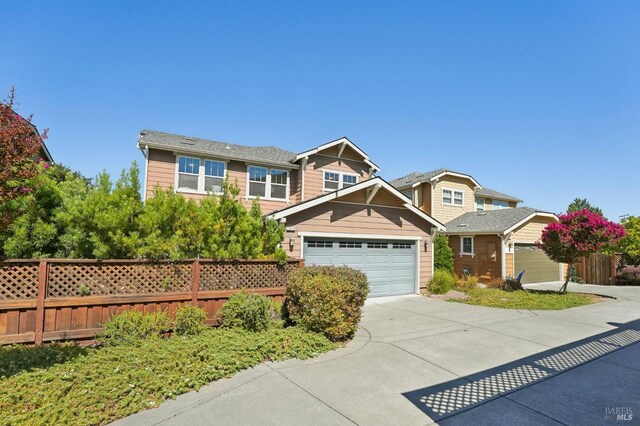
x,y
336,211
491,236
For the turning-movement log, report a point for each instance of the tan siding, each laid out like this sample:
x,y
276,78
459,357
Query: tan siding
x,y
336,217
445,213
313,175
531,231
426,197
508,264
481,264
162,169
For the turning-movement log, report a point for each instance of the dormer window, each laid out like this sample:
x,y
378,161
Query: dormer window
x,y
337,180
499,204
452,197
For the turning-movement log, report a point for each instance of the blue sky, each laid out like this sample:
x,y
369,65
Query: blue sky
x,y
536,99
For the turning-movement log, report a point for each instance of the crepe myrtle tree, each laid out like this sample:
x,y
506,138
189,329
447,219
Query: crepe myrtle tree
x,y
19,146
578,234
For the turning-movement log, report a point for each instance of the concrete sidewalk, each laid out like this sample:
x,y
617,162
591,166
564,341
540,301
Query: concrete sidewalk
x,y
412,353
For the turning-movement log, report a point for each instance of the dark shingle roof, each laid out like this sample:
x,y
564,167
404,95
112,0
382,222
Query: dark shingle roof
x,y
490,193
260,154
415,177
489,221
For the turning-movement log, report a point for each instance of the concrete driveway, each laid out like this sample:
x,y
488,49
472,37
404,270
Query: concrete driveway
x,y
417,361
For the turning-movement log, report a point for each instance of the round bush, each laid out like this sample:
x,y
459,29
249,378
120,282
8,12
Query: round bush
x,y
190,320
326,299
442,281
253,312
131,326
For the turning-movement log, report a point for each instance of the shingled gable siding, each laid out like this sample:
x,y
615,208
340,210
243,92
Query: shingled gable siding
x,y
352,218
350,162
531,231
162,168
481,264
445,213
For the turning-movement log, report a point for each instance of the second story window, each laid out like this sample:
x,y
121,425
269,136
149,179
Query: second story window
x,y
499,205
268,183
409,194
337,180
197,175
213,176
479,204
188,173
452,197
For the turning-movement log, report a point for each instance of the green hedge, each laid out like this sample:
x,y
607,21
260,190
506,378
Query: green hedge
x,y
327,299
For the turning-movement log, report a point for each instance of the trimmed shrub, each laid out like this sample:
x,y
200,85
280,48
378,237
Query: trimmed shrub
x,y
442,254
441,282
190,321
132,326
468,283
327,299
629,275
252,312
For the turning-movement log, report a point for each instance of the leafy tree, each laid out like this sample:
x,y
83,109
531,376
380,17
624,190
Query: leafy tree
x,y
630,244
582,204
578,234
442,254
19,145
36,232
218,227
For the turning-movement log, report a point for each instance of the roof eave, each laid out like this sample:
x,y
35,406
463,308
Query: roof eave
x,y
188,150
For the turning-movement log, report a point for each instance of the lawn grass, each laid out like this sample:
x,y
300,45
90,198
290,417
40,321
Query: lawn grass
x,y
66,384
525,299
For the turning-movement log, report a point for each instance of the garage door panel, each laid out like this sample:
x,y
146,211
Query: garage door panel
x,y
537,266
389,265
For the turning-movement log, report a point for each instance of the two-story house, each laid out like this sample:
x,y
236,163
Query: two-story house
x,y
336,210
490,234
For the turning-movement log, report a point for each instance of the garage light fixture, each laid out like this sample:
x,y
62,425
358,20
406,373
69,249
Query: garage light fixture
x,y
292,242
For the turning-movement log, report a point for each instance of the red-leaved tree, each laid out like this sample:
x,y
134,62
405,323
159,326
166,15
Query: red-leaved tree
x,y
20,143
576,235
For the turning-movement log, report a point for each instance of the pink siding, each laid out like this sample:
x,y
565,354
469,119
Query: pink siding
x,y
348,218
313,175
162,168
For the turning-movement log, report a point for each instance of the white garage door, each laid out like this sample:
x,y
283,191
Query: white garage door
x,y
390,265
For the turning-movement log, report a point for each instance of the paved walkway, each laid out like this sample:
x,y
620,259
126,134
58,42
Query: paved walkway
x,y
418,361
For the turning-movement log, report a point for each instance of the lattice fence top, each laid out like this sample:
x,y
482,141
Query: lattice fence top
x,y
69,278
72,279
237,275
19,281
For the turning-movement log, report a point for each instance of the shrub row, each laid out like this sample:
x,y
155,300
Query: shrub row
x,y
322,299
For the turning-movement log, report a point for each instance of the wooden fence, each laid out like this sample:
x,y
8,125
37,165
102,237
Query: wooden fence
x,y
598,268
64,299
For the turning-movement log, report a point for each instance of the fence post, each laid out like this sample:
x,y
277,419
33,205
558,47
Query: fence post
x,y
43,284
195,281
613,269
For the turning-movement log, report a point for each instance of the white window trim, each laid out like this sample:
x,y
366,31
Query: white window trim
x,y
452,197
201,170
268,184
340,179
462,253
484,203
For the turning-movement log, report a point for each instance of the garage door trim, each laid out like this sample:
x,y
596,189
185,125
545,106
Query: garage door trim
x,y
417,240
